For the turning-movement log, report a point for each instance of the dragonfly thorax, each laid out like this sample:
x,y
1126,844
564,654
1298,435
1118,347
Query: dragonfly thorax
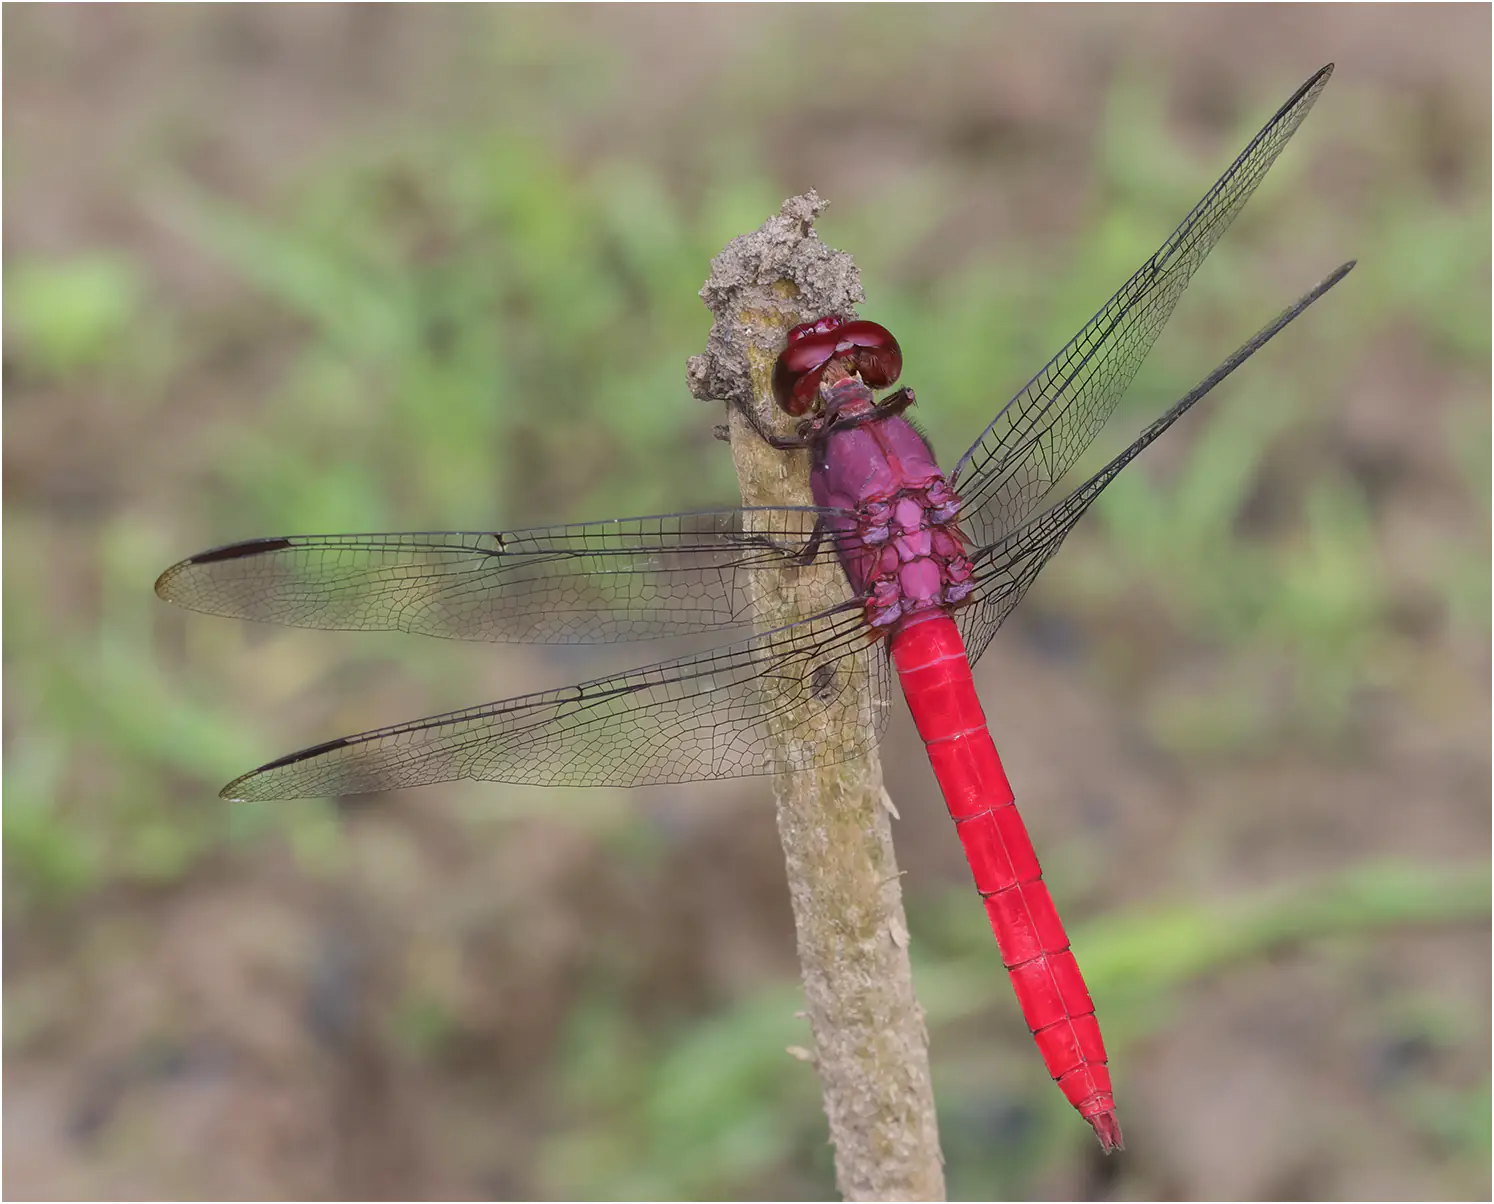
x,y
899,543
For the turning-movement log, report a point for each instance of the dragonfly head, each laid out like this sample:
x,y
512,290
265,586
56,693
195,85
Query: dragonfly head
x,y
829,349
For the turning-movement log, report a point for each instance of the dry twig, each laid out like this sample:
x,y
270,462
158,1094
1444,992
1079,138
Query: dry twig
x,y
870,1041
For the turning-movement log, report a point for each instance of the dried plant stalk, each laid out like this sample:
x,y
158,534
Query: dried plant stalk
x,y
870,1040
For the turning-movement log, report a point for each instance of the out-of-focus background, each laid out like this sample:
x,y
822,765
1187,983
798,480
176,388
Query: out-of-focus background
x,y
297,269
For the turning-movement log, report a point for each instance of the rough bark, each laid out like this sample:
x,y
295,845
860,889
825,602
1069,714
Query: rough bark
x,y
870,1041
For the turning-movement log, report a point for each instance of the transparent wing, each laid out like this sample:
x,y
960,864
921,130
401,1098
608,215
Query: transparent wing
x,y
1043,430
709,715
697,717
623,579
1005,569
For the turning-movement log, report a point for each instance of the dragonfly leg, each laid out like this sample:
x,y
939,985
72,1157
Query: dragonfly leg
x,y
800,554
896,403
889,406
812,548
781,442
814,429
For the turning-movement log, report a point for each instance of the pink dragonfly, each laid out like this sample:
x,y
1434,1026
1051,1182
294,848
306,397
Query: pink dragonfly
x,y
932,567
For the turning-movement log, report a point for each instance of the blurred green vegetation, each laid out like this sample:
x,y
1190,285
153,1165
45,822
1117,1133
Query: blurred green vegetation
x,y
688,1116
476,331
69,316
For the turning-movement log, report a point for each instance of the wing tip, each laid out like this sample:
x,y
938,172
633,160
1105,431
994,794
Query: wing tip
x,y
229,551
163,582
236,791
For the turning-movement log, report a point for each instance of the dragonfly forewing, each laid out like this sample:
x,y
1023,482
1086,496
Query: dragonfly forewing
x,y
1040,433
598,582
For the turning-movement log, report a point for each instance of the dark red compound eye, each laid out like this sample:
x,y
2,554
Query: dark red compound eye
x,y
819,326
872,351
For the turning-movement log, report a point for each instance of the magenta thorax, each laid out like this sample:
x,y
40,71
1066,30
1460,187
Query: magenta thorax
x,y
902,550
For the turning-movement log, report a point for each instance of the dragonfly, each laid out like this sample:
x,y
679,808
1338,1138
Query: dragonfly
x,y
929,566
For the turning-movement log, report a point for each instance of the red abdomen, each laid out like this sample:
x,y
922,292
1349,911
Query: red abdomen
x,y
935,672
